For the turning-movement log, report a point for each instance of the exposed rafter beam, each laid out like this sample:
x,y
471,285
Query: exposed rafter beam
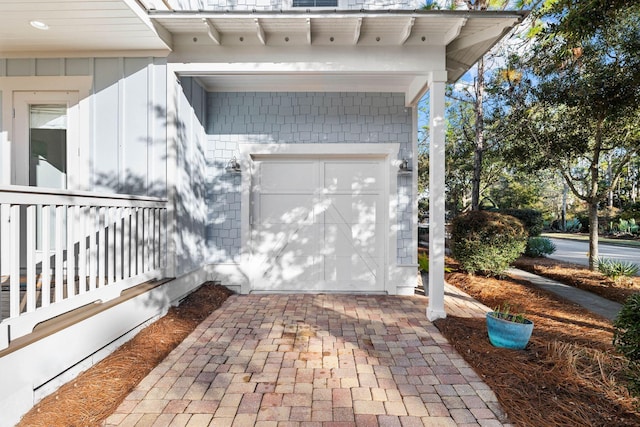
x,y
309,30
356,32
260,32
212,32
454,31
407,30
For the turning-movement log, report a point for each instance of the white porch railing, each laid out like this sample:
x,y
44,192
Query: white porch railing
x,y
62,250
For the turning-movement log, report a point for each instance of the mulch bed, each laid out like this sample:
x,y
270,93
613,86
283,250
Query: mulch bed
x,y
580,277
568,375
96,393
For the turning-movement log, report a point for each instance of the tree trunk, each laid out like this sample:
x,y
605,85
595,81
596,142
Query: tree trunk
x,y
479,138
593,235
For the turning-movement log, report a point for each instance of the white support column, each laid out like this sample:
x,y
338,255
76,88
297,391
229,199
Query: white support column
x,y
435,309
172,168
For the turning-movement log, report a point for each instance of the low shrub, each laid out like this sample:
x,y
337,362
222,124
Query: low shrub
x,y
531,219
626,339
538,247
423,262
487,242
617,270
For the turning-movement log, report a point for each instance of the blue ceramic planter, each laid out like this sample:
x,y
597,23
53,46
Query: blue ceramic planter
x,y
507,334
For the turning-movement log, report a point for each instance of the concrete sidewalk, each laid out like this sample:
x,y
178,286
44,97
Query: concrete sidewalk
x,y
306,360
592,302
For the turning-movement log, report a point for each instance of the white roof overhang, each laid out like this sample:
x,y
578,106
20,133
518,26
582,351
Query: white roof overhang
x,y
79,28
394,51
320,50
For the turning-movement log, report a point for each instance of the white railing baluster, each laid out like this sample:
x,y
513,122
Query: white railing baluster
x,y
82,250
127,244
71,251
49,239
134,242
156,223
140,240
111,246
102,224
31,258
118,242
93,226
45,274
59,280
14,280
148,230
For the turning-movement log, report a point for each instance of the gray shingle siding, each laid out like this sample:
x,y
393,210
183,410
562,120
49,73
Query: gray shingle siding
x,y
259,118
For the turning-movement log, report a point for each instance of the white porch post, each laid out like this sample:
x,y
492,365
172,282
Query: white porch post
x,y
172,159
435,309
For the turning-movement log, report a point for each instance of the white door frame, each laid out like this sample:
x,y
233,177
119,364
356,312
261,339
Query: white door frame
x,y
386,152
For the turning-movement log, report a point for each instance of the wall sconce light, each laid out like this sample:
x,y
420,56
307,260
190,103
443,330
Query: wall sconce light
x,y
405,167
233,166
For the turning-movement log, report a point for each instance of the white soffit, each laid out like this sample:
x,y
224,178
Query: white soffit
x,y
79,28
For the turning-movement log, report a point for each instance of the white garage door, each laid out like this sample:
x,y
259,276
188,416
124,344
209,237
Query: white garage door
x,y
318,225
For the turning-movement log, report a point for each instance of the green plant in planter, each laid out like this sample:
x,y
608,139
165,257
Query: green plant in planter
x,y
504,312
507,329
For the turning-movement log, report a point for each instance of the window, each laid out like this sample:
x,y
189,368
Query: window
x,y
315,3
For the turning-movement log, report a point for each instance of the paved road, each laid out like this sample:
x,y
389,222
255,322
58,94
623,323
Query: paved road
x,y
576,251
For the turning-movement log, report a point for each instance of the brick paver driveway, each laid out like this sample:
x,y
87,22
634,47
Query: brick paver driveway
x,y
313,360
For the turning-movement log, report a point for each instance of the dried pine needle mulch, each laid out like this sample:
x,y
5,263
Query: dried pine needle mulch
x,y
569,374
581,277
96,393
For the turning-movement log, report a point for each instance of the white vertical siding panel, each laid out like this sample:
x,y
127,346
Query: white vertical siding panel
x,y
106,124
49,66
31,258
78,67
20,67
136,110
158,151
45,283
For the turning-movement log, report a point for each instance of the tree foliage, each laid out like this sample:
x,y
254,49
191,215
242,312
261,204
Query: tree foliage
x,y
574,106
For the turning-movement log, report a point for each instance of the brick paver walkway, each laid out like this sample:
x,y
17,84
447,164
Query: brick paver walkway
x,y
313,360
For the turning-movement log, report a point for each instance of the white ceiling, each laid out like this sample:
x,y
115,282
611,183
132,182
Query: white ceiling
x,y
76,28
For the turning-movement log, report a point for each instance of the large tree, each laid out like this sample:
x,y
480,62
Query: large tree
x,y
576,101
